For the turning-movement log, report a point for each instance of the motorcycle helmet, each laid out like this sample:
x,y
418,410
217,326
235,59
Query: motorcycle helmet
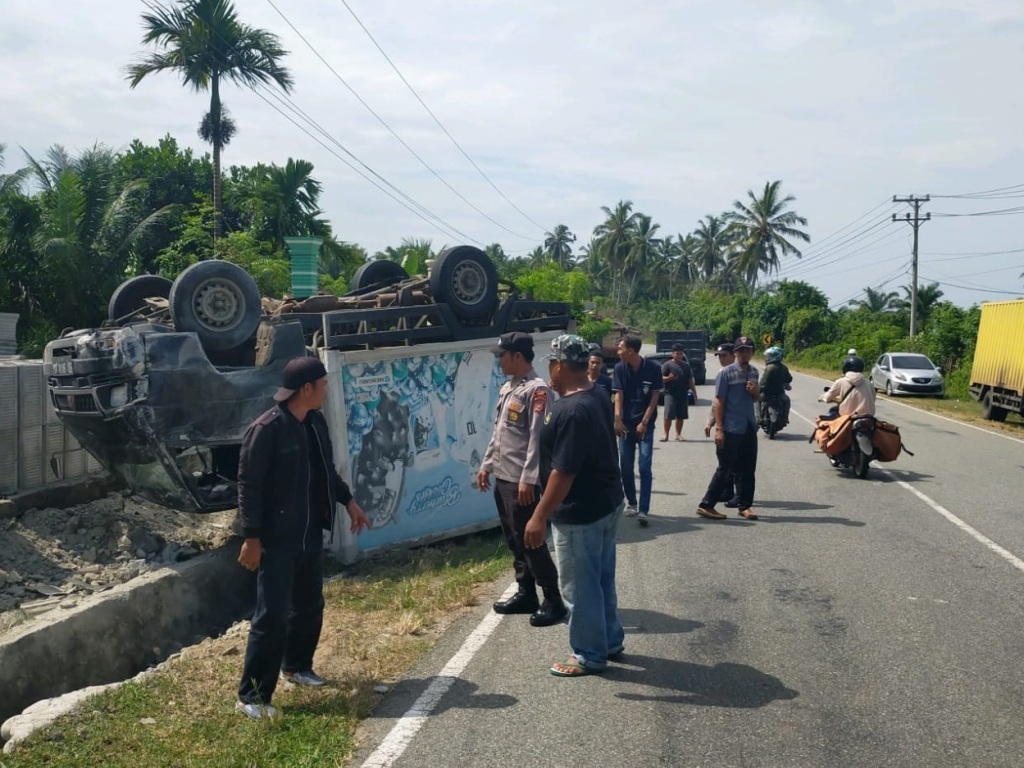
x,y
853,363
773,355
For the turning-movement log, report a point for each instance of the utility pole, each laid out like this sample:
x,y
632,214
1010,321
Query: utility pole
x,y
915,221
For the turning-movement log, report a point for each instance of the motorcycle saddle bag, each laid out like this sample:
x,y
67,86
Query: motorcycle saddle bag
x,y
887,441
834,435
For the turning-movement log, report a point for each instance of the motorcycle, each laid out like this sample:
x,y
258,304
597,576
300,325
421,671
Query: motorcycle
x,y
772,416
859,452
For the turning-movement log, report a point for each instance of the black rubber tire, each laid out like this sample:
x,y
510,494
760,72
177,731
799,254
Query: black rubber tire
x,y
217,300
132,293
990,411
466,280
861,463
701,378
888,388
380,272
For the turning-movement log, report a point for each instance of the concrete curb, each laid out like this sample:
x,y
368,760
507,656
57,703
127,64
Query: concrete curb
x,y
111,636
66,493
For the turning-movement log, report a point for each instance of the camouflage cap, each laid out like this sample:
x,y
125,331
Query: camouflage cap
x,y
570,348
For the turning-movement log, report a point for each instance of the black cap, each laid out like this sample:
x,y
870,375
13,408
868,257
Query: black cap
x,y
301,370
724,349
743,342
516,341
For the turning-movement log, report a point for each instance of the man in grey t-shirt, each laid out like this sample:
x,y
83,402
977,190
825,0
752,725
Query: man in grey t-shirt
x,y
736,391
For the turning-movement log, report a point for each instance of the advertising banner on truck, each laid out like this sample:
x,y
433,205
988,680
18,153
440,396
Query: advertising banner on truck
x,y
416,429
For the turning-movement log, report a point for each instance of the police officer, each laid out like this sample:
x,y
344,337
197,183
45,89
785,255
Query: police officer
x,y
513,457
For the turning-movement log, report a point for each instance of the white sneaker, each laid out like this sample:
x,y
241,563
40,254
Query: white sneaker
x,y
309,678
631,510
255,711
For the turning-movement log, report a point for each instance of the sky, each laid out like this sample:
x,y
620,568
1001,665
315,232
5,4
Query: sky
x,y
681,106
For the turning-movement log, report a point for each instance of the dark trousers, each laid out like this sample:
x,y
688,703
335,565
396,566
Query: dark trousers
x,y
534,567
736,458
286,625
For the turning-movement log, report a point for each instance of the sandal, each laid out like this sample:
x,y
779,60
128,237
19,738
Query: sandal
x,y
748,513
571,667
663,440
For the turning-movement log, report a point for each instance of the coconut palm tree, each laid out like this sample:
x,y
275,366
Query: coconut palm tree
x,y
643,250
558,244
711,242
877,301
615,237
291,200
204,42
10,183
766,231
927,299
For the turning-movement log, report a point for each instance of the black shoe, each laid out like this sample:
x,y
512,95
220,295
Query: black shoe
x,y
550,612
733,503
520,602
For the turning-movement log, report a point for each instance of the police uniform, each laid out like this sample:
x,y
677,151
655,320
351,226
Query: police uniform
x,y
513,457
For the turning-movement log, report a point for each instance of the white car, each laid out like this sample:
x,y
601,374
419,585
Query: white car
x,y
907,373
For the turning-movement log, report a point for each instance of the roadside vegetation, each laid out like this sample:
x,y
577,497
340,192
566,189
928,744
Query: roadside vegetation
x,y
380,618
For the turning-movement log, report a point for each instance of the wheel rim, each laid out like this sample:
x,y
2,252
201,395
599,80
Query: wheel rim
x,y
469,282
218,304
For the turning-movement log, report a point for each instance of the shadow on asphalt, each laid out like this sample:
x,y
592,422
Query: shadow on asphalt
x,y
823,520
722,685
462,695
644,622
790,505
906,475
660,525
787,437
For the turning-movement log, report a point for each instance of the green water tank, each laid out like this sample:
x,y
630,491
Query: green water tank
x,y
305,256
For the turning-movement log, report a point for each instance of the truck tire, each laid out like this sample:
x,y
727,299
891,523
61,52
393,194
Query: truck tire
x,y
379,272
133,292
701,377
990,411
218,301
466,280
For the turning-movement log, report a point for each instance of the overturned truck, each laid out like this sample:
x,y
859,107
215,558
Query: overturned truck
x,y
163,391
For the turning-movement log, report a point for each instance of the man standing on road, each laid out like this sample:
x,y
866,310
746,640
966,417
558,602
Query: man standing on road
x,y
725,359
736,391
513,456
595,371
636,383
287,490
583,500
678,381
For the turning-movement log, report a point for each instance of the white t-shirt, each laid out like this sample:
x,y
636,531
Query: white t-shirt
x,y
858,393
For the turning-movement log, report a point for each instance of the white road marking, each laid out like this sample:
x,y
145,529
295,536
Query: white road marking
x,y
400,736
1008,556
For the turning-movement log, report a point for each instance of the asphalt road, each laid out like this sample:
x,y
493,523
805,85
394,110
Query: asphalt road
x,y
855,624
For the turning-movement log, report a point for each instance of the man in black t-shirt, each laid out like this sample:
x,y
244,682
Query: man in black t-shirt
x,y
678,378
583,499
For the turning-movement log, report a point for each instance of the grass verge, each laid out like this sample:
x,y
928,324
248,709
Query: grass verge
x,y
379,619
966,410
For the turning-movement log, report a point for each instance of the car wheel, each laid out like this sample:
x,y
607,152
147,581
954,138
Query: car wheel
x,y
888,388
381,272
465,279
131,295
218,301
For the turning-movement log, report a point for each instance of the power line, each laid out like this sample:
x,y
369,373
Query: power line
x,y
1000,212
970,255
806,264
437,120
892,276
980,290
392,131
983,193
820,243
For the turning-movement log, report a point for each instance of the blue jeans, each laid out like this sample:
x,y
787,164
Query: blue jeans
x,y
627,455
585,554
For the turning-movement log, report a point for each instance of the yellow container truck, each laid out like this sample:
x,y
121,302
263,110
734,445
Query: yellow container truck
x,y
997,377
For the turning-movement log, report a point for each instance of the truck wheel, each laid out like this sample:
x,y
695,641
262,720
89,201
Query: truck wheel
x,y
466,280
133,292
990,411
379,272
218,301
701,377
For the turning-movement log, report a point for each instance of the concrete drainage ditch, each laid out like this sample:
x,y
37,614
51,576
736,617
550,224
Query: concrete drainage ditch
x,y
110,636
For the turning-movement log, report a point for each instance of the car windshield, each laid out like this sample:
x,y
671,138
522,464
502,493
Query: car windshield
x,y
913,362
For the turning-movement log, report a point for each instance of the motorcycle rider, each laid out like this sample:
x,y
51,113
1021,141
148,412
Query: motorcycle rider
x,y
775,380
852,391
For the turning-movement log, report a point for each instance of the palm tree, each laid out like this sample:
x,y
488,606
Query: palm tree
x,y
927,299
10,183
203,41
711,242
877,301
593,264
291,198
558,245
766,230
615,236
643,249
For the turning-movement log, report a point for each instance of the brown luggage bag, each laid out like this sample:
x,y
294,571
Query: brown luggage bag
x,y
887,441
834,435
